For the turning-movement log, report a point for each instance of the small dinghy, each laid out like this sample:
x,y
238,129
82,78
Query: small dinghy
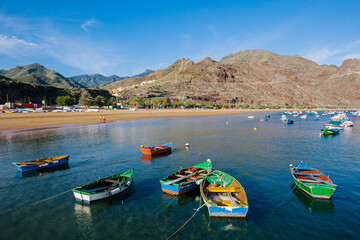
x,y
165,148
312,181
186,179
104,187
223,195
42,163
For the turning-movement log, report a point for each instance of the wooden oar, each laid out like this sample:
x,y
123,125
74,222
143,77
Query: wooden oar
x,y
182,178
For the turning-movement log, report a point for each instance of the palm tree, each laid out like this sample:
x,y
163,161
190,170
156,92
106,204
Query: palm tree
x,y
85,99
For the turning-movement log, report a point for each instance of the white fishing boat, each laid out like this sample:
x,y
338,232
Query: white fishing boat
x,y
347,123
251,117
104,187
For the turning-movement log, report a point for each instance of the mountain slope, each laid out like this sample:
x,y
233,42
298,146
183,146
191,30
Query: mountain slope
x,y
95,80
38,74
254,77
98,80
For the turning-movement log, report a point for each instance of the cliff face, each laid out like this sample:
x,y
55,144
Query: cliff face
x,y
255,77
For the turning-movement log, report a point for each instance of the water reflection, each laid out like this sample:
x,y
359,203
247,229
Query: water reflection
x,y
85,213
148,158
42,172
312,204
178,201
224,224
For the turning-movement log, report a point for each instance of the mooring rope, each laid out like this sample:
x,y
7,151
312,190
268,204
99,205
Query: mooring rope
x,y
34,203
282,204
148,217
172,235
6,170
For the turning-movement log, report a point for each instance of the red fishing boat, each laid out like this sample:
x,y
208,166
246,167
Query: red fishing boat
x,y
165,148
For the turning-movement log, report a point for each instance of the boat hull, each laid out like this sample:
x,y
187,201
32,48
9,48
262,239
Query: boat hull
x,y
162,149
327,132
42,166
179,189
147,151
315,191
216,211
85,197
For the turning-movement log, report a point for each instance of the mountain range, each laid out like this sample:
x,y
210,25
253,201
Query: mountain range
x,y
39,75
98,80
254,77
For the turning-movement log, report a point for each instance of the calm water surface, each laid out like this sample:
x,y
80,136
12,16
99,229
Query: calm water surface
x,y
32,209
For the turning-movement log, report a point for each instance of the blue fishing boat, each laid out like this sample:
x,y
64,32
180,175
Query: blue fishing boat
x,y
186,179
42,163
223,195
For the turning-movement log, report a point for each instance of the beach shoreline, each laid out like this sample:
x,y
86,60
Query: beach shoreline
x,y
28,121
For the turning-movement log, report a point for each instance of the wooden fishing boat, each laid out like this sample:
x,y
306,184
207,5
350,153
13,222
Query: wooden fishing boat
x,y
330,131
165,148
104,187
41,163
312,181
334,124
186,179
223,195
264,119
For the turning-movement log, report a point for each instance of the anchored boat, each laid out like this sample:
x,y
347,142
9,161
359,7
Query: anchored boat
x,y
186,179
223,195
42,163
330,131
104,187
165,148
312,181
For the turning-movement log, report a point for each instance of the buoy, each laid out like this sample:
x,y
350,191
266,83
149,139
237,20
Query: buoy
x,y
200,154
141,146
254,129
291,166
187,145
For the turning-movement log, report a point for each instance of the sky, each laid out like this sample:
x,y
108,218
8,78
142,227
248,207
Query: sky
x,y
127,37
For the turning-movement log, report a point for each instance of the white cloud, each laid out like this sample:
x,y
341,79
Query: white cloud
x,y
334,54
48,43
88,24
322,55
9,45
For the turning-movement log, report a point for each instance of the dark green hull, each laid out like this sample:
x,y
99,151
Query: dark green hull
x,y
316,190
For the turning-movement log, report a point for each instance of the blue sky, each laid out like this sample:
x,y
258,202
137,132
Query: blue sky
x,y
128,37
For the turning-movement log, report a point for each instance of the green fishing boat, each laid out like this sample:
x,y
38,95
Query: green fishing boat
x,y
312,181
330,131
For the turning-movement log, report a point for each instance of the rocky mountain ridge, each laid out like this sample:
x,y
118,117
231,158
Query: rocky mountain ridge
x,y
99,80
254,77
39,75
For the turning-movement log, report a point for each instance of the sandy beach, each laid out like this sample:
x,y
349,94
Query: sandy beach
x,y
17,121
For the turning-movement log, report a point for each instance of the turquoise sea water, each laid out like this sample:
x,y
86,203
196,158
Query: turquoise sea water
x,y
259,159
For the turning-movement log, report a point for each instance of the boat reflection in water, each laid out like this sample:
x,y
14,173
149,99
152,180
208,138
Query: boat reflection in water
x,y
148,158
312,204
177,201
224,224
42,172
84,213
